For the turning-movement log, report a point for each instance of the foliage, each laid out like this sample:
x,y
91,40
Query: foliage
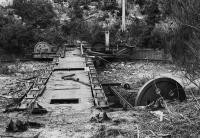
x,y
15,37
184,41
135,31
76,29
38,13
96,33
147,37
13,34
165,8
112,6
37,23
77,12
152,11
52,35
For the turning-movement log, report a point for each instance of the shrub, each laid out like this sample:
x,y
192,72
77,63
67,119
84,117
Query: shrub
x,y
38,13
148,37
37,23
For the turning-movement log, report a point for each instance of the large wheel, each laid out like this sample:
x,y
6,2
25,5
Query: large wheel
x,y
42,47
167,87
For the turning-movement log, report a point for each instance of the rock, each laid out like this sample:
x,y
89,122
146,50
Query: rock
x,y
16,126
21,126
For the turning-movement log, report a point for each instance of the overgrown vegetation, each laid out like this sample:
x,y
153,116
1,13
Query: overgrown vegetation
x,y
26,23
174,26
35,13
185,39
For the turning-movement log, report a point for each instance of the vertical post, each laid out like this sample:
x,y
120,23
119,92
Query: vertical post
x,y
107,39
81,48
123,15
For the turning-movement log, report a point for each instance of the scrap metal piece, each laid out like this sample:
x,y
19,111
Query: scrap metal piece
x,y
127,86
68,76
168,88
125,103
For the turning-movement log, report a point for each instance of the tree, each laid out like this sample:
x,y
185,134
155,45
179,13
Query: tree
x,y
149,39
185,39
76,27
37,23
38,13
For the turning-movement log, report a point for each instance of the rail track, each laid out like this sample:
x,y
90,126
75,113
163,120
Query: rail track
x,y
33,84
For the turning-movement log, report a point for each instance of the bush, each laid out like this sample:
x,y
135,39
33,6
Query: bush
x,y
110,6
37,23
38,13
52,35
185,39
13,36
148,37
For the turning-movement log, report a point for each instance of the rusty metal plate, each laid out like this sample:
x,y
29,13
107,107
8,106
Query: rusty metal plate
x,y
167,87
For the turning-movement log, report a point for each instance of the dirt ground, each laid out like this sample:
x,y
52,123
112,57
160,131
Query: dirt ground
x,y
179,118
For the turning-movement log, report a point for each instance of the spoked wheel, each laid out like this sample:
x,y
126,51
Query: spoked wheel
x,y
166,87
